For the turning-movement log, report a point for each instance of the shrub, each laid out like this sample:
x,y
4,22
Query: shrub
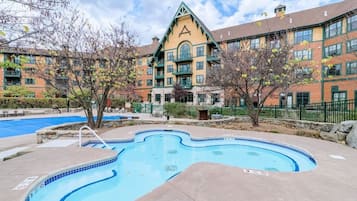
x,y
175,109
34,103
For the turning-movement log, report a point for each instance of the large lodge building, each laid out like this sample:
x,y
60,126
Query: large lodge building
x,y
189,49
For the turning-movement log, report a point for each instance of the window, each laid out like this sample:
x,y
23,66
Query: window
x,y
149,71
30,70
339,96
333,29
31,59
199,79
303,72
149,83
184,68
158,97
170,56
333,70
102,63
233,46
201,98
352,45
170,68
352,23
169,81
167,97
302,98
76,62
333,50
199,65
215,98
185,51
303,54
200,51
139,83
17,60
351,67
48,60
29,81
275,43
304,35
140,61
254,43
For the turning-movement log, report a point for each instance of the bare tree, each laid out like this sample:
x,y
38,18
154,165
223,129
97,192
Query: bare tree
x,y
89,64
24,20
255,74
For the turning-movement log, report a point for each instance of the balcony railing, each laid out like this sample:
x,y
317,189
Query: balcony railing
x,y
184,58
159,76
12,73
187,85
183,72
61,77
213,58
160,64
12,83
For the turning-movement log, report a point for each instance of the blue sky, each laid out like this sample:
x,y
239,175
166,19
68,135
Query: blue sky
x,y
148,18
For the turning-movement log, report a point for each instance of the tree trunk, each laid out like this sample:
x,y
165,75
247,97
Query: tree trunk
x,y
102,103
90,118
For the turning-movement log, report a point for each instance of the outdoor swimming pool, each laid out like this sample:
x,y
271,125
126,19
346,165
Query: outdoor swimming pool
x,y
15,127
157,156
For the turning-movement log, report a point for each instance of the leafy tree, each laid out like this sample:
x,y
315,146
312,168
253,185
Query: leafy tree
x,y
89,64
255,74
16,91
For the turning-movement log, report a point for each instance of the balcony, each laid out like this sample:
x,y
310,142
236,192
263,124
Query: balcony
x,y
12,83
184,58
160,76
12,73
187,85
160,64
61,77
183,72
213,59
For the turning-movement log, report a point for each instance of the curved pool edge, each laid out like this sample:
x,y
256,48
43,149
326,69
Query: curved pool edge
x,y
93,164
60,173
294,148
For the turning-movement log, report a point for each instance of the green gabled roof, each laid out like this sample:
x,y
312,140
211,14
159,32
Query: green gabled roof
x,y
184,10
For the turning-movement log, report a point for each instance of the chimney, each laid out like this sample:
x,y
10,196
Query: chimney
x,y
155,40
280,9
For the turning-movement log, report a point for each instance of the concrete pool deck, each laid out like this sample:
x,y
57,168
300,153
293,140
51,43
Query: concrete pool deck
x,y
334,178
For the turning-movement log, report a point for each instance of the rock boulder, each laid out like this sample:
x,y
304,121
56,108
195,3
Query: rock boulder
x,y
351,138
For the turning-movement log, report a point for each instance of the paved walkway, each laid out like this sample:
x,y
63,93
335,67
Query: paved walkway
x,y
334,178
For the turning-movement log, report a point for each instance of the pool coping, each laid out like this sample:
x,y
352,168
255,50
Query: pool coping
x,y
330,175
180,187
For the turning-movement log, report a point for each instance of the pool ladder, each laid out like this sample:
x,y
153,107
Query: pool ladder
x,y
95,134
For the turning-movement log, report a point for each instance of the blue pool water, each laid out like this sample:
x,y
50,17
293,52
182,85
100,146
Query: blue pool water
x,y
9,128
155,157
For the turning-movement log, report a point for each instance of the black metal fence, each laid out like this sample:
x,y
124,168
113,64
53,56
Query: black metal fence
x,y
332,112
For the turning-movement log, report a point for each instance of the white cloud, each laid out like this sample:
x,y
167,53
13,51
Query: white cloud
x,y
148,18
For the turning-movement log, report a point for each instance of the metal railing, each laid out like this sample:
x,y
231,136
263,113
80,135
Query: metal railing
x,y
332,112
93,133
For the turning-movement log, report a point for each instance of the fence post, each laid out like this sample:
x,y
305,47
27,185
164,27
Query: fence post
x,y
325,111
300,112
275,114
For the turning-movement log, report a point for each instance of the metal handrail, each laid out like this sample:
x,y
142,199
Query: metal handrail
x,y
93,132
